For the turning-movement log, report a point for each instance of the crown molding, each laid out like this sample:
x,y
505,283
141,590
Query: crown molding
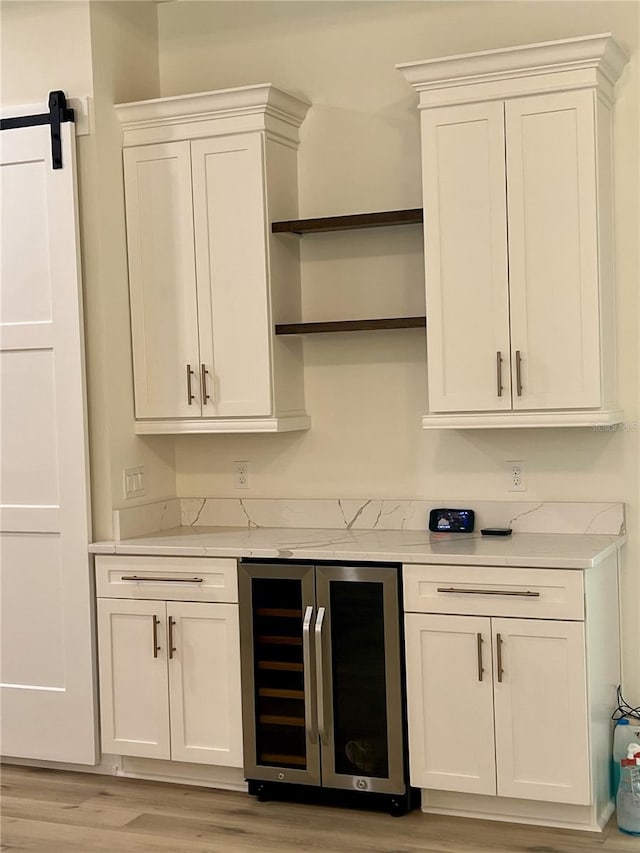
x,y
600,54
224,103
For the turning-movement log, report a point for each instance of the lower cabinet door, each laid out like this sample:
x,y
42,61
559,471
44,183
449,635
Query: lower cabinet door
x,y
450,703
134,696
540,694
204,683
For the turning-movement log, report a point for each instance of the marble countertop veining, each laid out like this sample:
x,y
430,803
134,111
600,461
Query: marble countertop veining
x,y
538,550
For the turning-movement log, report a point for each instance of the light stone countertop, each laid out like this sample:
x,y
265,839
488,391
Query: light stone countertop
x,y
537,550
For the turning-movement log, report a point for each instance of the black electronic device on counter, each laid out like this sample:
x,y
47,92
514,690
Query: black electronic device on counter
x,y
451,520
496,531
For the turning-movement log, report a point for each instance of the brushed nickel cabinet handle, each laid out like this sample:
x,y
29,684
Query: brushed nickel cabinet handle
x,y
203,380
309,716
527,593
499,656
499,373
190,395
149,579
480,667
156,647
518,373
172,648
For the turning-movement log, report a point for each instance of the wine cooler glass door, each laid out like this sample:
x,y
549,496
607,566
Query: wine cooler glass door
x,y
358,667
277,612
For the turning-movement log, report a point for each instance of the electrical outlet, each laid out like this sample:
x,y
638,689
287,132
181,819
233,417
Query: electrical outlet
x,y
133,482
516,477
241,475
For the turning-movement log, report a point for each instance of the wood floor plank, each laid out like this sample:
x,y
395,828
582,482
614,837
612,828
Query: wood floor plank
x,y
64,812
89,813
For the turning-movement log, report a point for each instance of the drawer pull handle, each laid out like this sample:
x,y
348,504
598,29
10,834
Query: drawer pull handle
x,y
480,667
525,593
161,580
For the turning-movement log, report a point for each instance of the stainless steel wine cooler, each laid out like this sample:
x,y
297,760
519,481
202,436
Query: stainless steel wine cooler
x,y
321,678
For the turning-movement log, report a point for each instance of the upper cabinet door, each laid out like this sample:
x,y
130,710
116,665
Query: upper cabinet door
x,y
466,258
232,271
164,319
553,251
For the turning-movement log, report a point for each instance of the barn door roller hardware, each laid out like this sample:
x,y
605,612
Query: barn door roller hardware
x,y
58,112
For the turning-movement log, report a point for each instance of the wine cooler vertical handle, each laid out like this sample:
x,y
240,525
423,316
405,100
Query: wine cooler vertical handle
x,y
320,674
309,713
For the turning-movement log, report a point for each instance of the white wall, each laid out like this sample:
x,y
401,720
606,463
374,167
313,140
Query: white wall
x,y
125,68
360,152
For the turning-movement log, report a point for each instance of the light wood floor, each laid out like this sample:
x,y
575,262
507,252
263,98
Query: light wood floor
x,y
51,811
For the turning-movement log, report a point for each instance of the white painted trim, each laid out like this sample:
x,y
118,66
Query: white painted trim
x,y
501,420
599,51
228,425
153,769
511,810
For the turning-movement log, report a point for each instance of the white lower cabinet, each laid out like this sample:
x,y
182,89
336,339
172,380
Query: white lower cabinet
x,y
169,670
498,706
511,680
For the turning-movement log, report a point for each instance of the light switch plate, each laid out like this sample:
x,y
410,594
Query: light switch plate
x,y
133,482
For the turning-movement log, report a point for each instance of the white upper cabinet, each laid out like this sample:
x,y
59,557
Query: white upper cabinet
x,y
204,177
516,158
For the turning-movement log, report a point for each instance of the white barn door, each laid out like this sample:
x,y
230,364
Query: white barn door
x,y
47,699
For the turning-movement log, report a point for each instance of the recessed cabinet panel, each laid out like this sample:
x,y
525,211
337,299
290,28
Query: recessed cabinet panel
x,y
233,306
134,699
542,740
204,683
450,703
553,256
466,258
164,320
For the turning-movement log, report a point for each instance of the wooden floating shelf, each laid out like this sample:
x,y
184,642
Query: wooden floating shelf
x,y
351,325
349,222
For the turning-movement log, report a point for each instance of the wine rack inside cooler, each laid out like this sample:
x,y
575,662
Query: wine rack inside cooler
x,y
278,673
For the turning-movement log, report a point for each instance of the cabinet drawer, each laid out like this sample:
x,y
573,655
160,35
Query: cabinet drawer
x,y
494,591
167,578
